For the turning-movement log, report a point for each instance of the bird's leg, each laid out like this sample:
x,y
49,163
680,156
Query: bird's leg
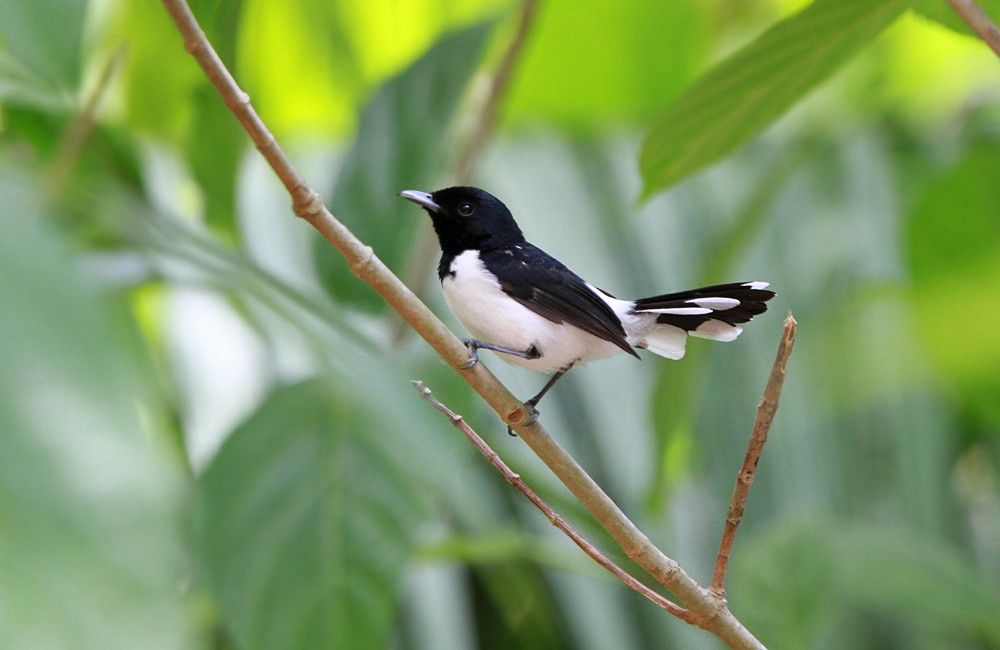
x,y
475,345
533,402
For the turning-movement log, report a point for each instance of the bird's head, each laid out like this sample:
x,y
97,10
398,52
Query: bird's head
x,y
467,218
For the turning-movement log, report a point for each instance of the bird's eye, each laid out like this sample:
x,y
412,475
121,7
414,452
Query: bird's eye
x,y
466,209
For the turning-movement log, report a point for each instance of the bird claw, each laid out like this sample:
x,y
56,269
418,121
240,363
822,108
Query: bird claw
x,y
473,354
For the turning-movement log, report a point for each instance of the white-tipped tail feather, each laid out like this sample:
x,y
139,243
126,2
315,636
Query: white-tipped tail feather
x,y
661,324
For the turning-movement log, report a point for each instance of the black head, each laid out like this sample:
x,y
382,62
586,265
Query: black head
x,y
468,218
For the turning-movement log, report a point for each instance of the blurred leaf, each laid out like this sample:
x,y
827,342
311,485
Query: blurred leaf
x,y
40,55
304,522
215,145
914,577
159,75
941,12
89,539
779,584
752,88
644,54
220,19
404,142
954,252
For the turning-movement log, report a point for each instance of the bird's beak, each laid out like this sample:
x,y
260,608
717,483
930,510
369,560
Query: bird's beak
x,y
421,198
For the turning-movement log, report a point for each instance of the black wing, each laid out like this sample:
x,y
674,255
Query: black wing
x,y
544,285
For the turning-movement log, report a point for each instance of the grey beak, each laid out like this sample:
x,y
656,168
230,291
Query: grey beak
x,y
421,198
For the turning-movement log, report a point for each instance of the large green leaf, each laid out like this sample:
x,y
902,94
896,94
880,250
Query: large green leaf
x,y
756,85
404,142
90,552
304,522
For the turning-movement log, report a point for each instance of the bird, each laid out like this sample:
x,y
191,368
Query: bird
x,y
530,308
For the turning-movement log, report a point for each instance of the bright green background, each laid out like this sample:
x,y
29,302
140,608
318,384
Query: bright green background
x,y
208,438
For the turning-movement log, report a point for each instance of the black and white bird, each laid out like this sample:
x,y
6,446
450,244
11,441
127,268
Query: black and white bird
x,y
518,300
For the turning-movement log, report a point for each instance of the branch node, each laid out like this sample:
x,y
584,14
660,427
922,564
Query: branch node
x,y
306,203
363,261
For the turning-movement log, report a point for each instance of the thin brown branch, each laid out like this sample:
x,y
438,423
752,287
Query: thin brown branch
x,y
515,479
766,409
980,23
705,609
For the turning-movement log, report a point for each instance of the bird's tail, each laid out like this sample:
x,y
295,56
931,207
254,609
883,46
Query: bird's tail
x,y
710,313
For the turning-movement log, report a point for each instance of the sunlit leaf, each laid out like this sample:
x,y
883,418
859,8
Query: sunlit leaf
x,y
90,553
753,87
304,521
404,141
612,61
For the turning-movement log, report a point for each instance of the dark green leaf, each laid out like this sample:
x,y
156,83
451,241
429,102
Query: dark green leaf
x,y
90,552
752,88
404,142
304,523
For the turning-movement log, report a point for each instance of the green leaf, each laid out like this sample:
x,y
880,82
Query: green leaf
x,y
405,140
648,52
954,252
90,553
40,52
755,86
304,522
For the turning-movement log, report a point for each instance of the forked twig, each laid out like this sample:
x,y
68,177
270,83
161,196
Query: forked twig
x,y
704,608
515,479
766,409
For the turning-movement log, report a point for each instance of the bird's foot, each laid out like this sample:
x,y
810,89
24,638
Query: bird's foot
x,y
475,345
533,414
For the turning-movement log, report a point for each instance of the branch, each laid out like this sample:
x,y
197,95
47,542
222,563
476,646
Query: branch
x,y
980,23
557,521
765,416
707,610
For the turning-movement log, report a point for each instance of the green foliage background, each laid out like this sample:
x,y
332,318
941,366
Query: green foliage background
x,y
207,434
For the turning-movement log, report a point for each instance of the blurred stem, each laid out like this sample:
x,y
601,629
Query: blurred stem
x,y
980,23
705,609
762,426
471,153
72,144
426,251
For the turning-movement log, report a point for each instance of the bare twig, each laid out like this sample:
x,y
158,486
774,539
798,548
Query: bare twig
x,y
514,479
980,23
765,416
705,609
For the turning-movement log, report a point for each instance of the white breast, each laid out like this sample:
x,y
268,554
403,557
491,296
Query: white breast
x,y
475,297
